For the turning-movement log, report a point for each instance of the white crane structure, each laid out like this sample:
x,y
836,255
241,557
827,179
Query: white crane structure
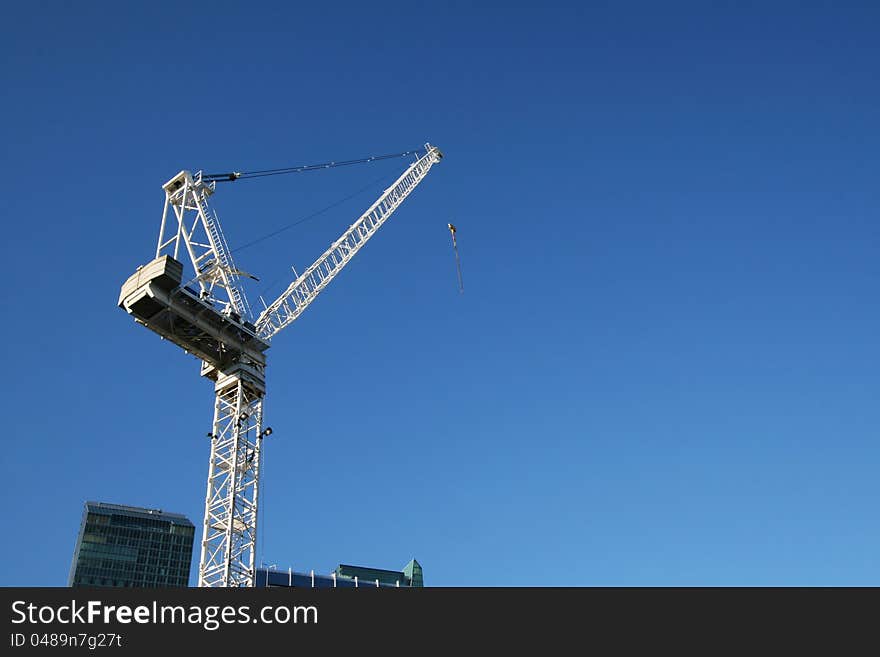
x,y
209,317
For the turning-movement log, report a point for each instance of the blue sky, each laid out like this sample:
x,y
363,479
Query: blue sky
x,y
664,366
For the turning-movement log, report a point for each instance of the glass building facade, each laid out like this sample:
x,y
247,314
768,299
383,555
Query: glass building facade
x,y
130,546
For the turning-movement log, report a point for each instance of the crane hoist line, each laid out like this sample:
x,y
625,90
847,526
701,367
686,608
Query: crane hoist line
x,y
209,317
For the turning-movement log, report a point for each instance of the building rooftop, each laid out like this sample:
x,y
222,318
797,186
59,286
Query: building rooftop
x,y
344,576
137,512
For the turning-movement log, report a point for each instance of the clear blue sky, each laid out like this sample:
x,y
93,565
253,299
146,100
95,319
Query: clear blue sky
x,y
664,366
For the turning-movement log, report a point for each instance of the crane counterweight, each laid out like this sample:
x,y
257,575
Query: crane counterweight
x,y
154,296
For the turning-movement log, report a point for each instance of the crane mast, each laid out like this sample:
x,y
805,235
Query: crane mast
x,y
212,322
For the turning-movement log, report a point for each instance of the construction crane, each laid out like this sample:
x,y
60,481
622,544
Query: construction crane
x,y
209,316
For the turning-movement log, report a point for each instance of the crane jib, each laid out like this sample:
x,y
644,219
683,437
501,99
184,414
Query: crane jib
x,y
299,294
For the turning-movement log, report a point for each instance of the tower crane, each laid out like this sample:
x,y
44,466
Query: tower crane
x,y
209,316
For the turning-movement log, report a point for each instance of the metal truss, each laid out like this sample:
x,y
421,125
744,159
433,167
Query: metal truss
x,y
230,527
197,231
297,297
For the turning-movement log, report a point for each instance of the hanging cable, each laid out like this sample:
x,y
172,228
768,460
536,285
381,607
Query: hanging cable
x,y
317,213
452,230
243,175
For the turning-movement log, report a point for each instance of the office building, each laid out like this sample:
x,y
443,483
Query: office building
x,y
130,546
345,576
